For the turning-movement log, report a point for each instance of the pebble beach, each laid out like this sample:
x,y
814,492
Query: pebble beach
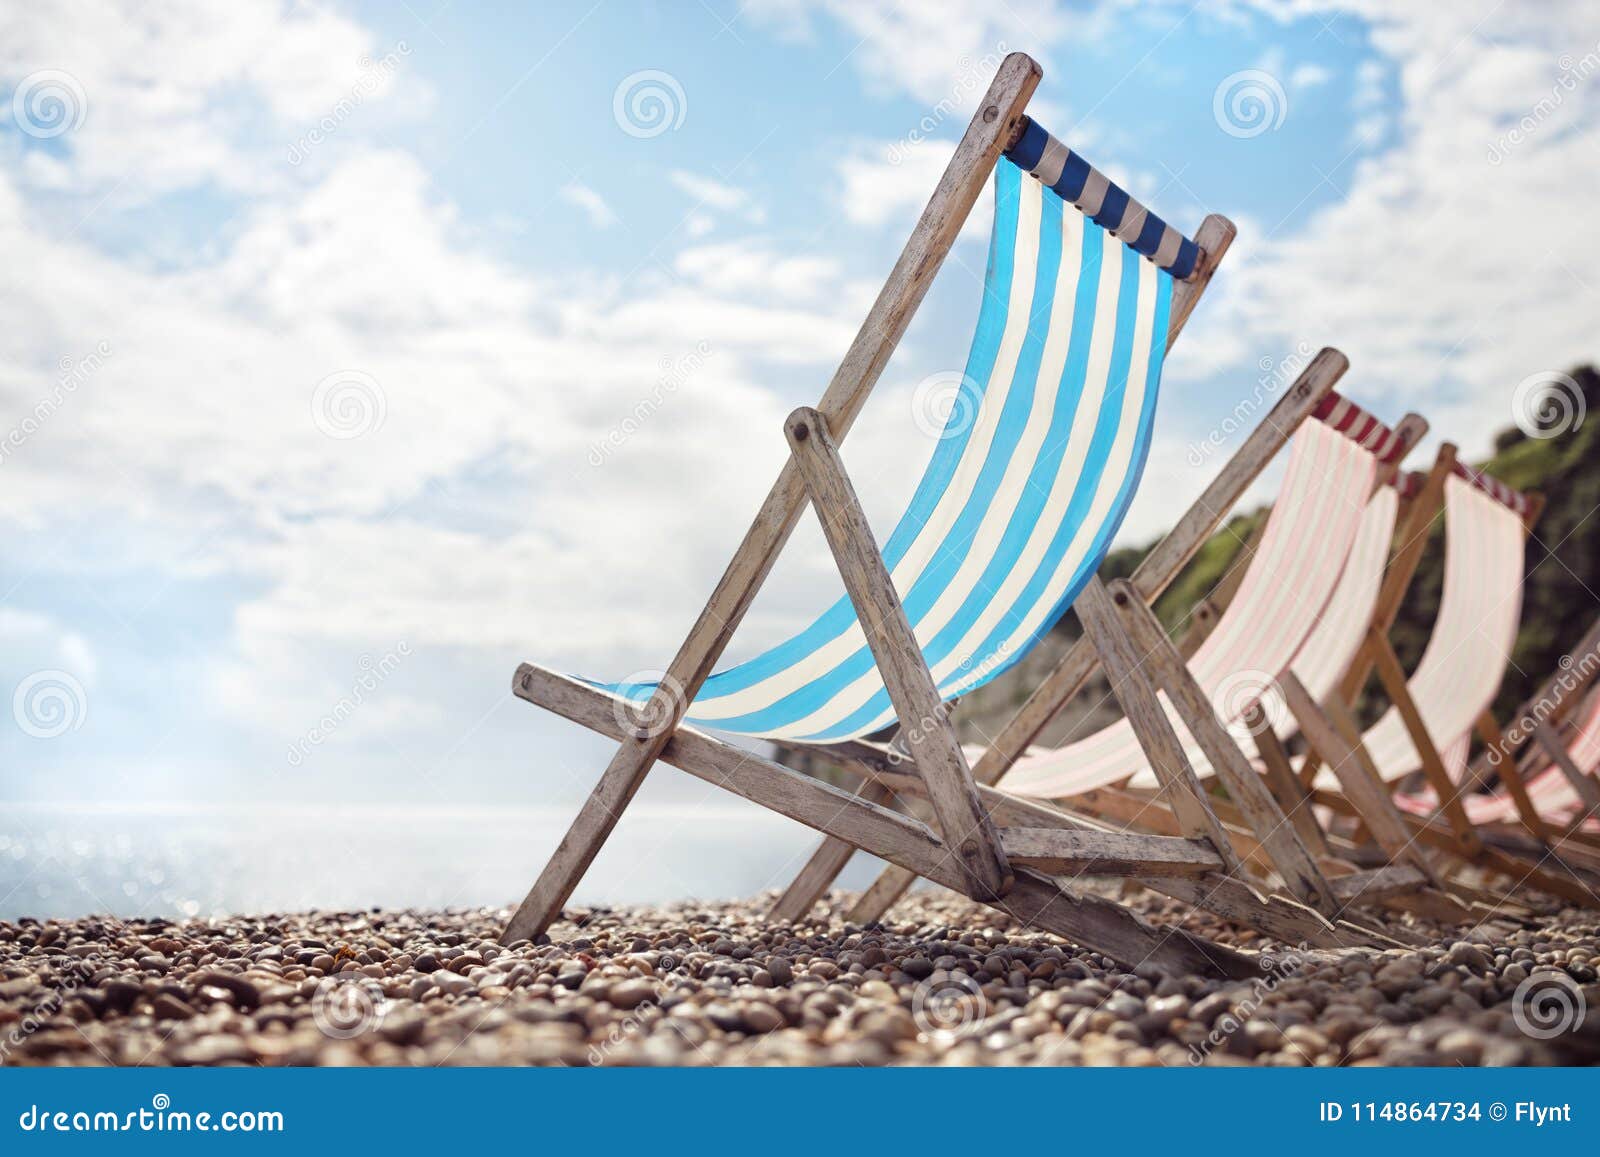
x,y
941,982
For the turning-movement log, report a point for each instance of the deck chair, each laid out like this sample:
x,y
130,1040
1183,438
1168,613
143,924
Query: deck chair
x,y
1332,468
1433,714
1084,292
1545,759
1321,540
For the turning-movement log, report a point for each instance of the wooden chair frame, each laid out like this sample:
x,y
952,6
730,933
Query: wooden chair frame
x,y
1334,738
1261,814
995,855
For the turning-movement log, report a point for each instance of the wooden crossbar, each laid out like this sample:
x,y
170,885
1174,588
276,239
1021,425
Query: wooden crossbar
x,y
1069,853
1034,900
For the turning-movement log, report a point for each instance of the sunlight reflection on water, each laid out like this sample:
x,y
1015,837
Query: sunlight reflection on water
x,y
206,862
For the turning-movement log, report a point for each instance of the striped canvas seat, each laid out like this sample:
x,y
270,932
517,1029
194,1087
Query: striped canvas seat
x,y
1332,645
1552,794
1031,477
1467,653
1319,517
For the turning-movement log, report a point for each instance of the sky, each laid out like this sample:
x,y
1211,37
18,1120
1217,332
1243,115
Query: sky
x,y
356,353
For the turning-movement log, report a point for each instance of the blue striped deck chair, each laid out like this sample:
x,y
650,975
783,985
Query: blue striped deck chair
x,y
1084,290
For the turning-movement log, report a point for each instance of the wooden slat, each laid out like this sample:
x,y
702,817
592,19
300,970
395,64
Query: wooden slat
x,y
1494,740
998,116
1067,853
1411,540
1377,884
1278,775
1332,731
1259,811
1585,785
1282,919
1550,703
824,866
1214,237
924,721
1035,901
1170,763
1393,678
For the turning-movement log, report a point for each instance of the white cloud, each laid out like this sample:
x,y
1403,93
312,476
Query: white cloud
x,y
1447,278
600,214
889,185
175,99
1310,76
712,196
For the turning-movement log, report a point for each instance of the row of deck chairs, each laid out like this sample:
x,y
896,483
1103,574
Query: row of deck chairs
x,y
1237,779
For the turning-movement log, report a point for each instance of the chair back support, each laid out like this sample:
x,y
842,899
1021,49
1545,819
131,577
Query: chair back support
x,y
1033,472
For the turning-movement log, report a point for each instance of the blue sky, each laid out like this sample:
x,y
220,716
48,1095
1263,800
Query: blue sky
x,y
331,310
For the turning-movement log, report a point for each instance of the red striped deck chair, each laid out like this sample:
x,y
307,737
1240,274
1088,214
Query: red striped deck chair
x,y
1546,758
1435,712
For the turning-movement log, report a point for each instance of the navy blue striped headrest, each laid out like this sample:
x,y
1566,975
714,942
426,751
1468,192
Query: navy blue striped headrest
x,y
1106,203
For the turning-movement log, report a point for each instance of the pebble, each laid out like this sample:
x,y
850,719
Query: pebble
x,y
942,981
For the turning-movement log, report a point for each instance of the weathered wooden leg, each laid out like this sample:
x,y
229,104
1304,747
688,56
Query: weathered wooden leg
x,y
823,867
1502,760
1280,780
1586,786
1332,732
1393,678
998,117
1187,799
924,722
1257,808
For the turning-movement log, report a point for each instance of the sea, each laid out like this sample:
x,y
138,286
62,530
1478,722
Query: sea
x,y
209,861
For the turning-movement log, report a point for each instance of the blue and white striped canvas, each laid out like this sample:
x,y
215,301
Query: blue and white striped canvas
x,y
1024,492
